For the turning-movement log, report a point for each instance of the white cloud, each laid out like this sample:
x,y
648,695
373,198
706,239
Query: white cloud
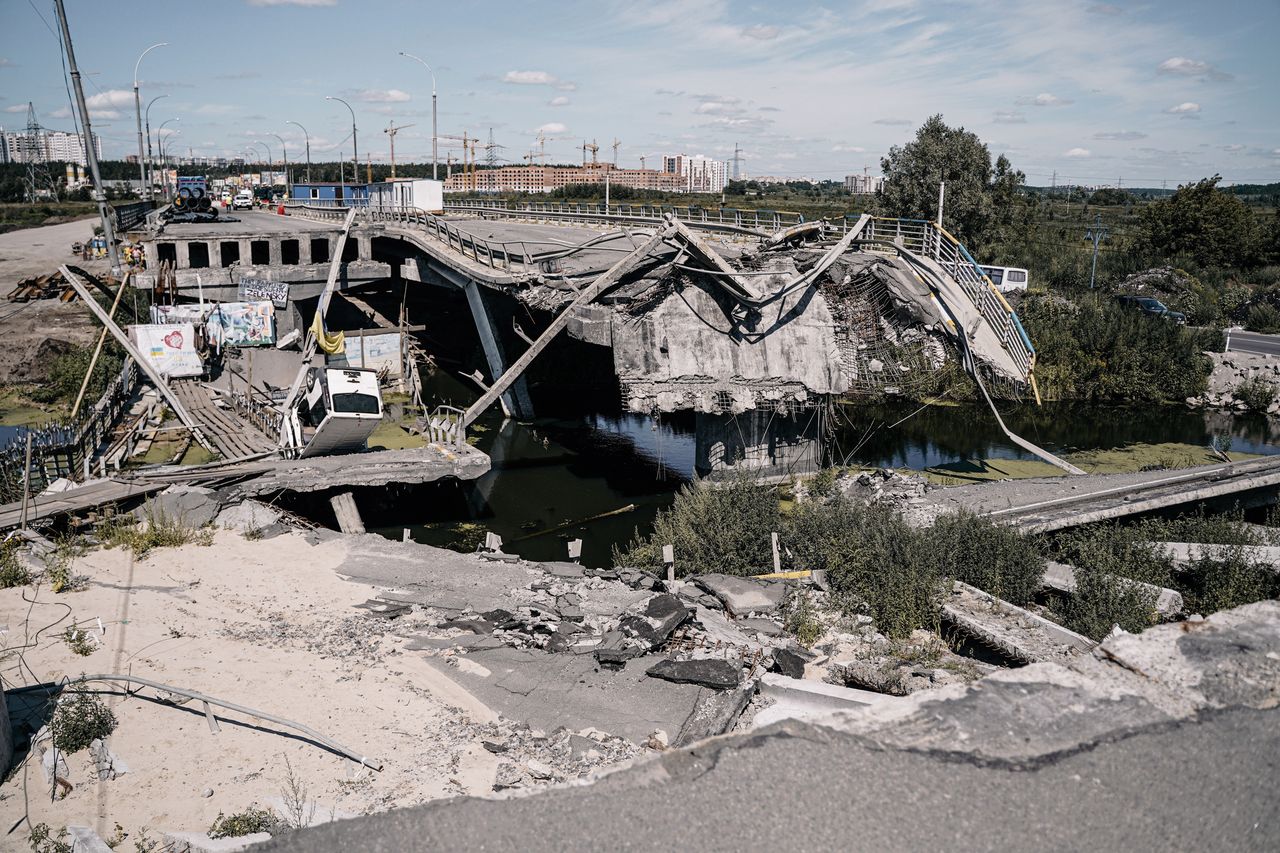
x,y
1009,117
558,101
7,63
382,96
551,128
1124,135
293,2
893,121
1233,148
529,78
853,149
16,108
110,99
1185,67
1275,152
760,32
1045,99
1186,108
1077,153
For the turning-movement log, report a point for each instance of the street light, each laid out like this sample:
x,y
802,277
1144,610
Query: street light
x,y
308,136
354,145
433,109
284,155
151,166
160,144
137,110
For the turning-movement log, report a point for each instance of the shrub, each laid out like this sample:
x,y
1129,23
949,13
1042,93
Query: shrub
x,y
78,719
44,840
77,639
1232,579
1256,393
713,529
247,822
155,530
1263,317
800,618
1102,600
993,557
12,572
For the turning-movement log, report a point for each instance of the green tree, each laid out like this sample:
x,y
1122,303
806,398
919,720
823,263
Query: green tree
x,y
979,197
1204,223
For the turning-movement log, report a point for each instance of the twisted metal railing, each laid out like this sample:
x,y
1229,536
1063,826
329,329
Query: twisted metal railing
x,y
723,218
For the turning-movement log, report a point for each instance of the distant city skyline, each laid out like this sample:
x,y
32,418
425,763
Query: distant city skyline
x,y
1099,93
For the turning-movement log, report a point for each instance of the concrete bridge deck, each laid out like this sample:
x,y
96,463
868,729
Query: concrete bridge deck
x,y
1045,504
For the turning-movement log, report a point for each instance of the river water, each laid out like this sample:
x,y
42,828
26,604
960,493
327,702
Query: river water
x,y
550,475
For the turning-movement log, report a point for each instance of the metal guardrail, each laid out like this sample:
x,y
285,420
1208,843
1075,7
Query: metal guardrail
x,y
446,427
721,218
927,240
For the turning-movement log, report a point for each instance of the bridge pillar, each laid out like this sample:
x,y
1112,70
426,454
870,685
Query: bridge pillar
x,y
273,252
365,244
304,250
517,399
758,443
246,252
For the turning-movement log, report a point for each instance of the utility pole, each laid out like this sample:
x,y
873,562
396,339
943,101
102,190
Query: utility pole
x,y
942,192
91,155
391,130
1097,234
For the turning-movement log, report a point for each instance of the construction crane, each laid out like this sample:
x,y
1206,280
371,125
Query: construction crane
x,y
391,130
468,148
616,142
542,141
593,148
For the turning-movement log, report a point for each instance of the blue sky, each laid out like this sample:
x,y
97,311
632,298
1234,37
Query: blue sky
x,y
1139,92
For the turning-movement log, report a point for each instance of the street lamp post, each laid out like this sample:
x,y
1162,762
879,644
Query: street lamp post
x,y
354,145
433,109
308,138
137,110
284,156
270,162
151,165
160,145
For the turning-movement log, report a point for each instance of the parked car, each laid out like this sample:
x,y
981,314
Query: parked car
x,y
242,201
1007,279
1152,307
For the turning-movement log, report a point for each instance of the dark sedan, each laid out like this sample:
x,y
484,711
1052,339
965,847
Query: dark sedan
x,y
1153,307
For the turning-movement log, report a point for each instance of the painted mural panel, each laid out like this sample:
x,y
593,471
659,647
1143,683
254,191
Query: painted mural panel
x,y
375,352
170,348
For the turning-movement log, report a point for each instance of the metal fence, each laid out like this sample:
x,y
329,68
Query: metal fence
x,y
66,449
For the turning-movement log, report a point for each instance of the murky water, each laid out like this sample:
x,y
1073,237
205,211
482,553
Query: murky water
x,y
550,476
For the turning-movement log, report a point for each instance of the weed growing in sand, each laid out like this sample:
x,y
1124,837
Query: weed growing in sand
x,y
800,618
299,809
44,840
79,641
80,718
154,530
247,822
12,572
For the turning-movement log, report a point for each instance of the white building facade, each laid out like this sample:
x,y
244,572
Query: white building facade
x,y
701,174
49,145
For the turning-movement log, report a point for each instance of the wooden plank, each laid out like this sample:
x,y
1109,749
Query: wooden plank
x,y
348,515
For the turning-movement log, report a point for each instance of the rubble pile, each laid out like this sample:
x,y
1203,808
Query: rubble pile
x,y
530,758
1230,371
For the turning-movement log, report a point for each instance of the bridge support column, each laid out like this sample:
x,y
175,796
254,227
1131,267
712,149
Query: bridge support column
x,y
517,399
273,252
246,253
304,250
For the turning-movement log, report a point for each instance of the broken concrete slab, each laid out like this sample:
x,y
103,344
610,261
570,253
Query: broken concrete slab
x,y
563,570
194,506
551,690
85,840
715,713
247,517
716,673
742,596
801,699
1185,553
199,842
789,663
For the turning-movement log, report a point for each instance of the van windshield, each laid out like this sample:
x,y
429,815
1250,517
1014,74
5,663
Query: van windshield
x,y
359,404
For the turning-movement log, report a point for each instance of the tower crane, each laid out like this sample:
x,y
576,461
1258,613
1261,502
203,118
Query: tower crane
x,y
593,148
616,142
391,130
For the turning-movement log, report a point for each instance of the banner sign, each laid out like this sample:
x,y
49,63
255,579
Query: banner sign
x,y
194,314
242,324
169,348
258,290
375,352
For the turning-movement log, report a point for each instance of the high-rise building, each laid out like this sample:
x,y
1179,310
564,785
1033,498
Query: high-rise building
x,y
701,174
863,184
49,145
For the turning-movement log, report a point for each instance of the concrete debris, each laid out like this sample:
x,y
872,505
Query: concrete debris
x,y
1230,370
716,673
249,517
85,840
789,662
384,609
639,633
807,700
1062,577
199,842
106,763
194,506
743,596
1012,631
716,712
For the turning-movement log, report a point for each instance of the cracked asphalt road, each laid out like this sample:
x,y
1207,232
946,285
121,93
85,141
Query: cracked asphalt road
x,y
1209,784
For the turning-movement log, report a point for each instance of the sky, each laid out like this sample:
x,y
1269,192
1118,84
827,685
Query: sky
x,y
1136,93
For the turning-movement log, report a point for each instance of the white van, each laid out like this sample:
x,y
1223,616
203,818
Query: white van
x,y
242,201
337,413
1007,279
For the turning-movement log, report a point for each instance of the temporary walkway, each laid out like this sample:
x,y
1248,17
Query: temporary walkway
x,y
230,434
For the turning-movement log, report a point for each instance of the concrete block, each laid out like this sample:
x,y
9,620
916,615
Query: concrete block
x,y
1189,552
741,596
85,840
1062,577
802,699
198,842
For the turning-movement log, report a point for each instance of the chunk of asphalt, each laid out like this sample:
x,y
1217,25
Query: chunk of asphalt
x,y
715,673
787,662
475,626
714,714
564,570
